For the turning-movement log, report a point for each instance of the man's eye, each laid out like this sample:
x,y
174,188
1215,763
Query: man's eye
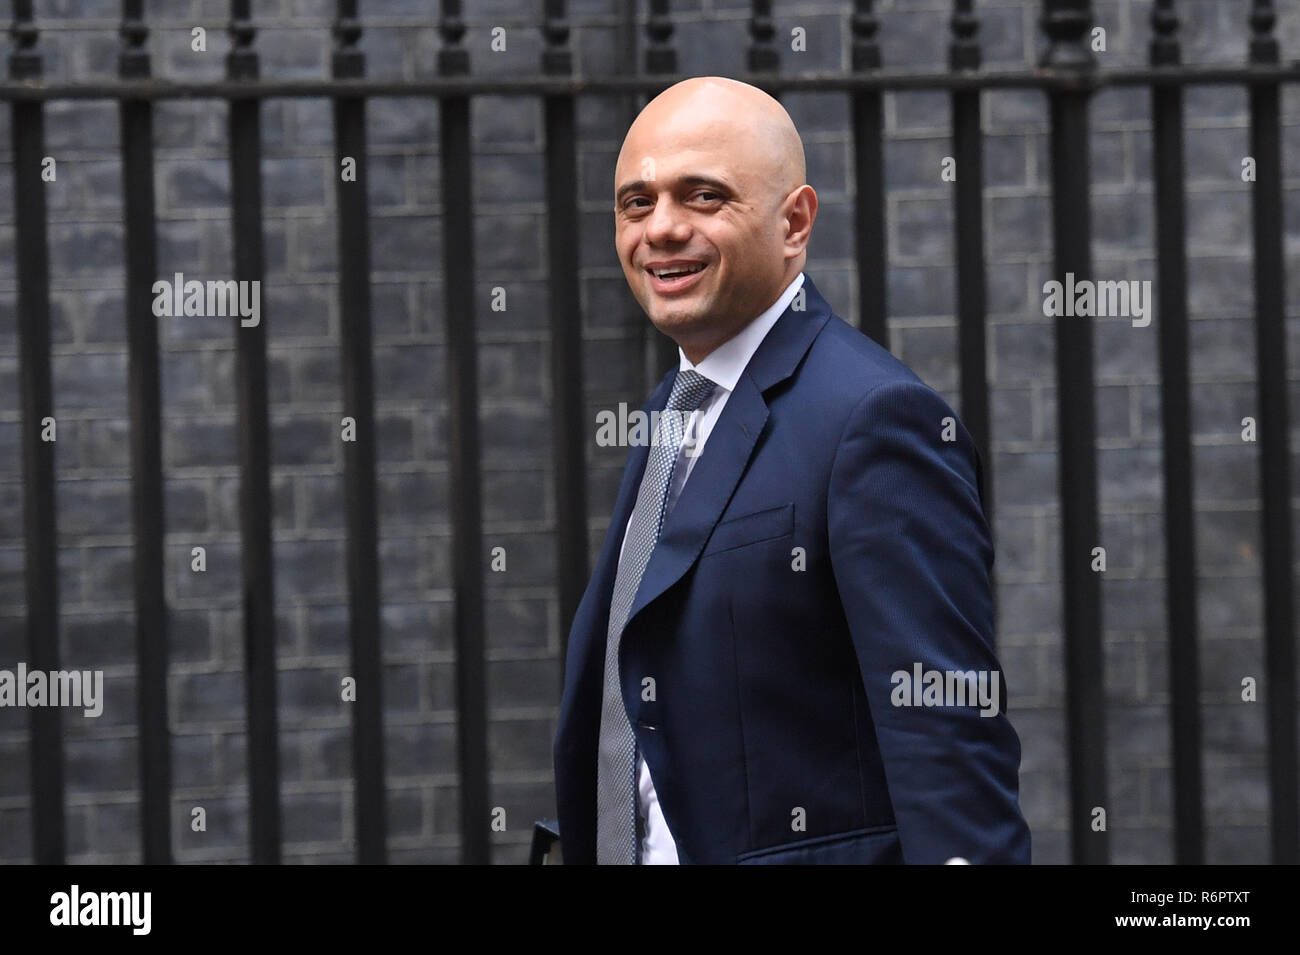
x,y
706,195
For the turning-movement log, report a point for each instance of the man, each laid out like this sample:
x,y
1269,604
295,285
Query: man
x,y
793,556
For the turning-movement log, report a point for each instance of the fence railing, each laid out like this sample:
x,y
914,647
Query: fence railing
x,y
1068,75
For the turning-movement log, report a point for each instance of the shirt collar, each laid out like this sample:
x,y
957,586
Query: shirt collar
x,y
725,364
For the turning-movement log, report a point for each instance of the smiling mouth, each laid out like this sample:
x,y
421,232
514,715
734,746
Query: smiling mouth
x,y
676,273
676,279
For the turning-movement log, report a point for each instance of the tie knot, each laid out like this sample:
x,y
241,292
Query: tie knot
x,y
689,391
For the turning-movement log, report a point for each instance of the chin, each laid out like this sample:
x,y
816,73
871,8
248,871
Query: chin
x,y
673,325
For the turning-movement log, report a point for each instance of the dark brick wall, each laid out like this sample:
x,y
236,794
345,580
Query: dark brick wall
x,y
78,38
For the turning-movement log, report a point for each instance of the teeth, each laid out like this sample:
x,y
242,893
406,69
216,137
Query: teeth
x,y
664,273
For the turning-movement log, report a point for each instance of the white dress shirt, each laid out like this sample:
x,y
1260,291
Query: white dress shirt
x,y
723,366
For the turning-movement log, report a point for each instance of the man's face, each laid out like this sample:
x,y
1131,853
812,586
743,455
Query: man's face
x,y
692,195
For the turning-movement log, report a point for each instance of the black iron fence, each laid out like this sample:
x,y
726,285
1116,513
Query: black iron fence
x,y
1067,75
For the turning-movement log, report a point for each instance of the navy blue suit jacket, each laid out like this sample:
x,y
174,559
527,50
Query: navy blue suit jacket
x,y
771,732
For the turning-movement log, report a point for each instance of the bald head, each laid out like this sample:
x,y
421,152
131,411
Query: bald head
x,y
711,178
755,127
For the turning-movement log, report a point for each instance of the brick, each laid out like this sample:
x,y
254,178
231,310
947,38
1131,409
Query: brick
x,y
198,443
422,749
523,745
411,496
198,698
186,506
89,381
292,53
516,495
312,694
306,438
416,626
1131,475
922,228
1228,541
115,828
1225,662
401,572
194,760
524,803
96,506
511,244
1012,411
930,352
108,574
312,817
70,126
1152,846
527,559
103,443
226,827
16,780
515,683
11,519
193,183
1237,844
821,41
1022,352
93,641
1017,552
517,623
425,855
446,810
1026,478
100,765
16,827
512,434
1218,220
1017,226
405,813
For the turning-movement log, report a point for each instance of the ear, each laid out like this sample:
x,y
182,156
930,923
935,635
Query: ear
x,y
800,214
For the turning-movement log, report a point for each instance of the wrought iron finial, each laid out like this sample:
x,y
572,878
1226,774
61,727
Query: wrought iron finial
x,y
863,25
557,58
964,51
24,58
241,61
1263,42
660,57
453,58
348,60
1067,24
133,58
763,57
1165,49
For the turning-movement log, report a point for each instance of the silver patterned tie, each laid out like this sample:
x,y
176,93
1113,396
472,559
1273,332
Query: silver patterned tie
x,y
616,782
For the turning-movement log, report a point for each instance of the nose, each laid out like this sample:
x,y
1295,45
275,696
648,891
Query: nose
x,y
666,224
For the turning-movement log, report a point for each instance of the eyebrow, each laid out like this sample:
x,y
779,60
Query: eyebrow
x,y
637,185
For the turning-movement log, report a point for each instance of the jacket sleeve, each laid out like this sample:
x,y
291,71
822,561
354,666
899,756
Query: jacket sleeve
x,y
911,554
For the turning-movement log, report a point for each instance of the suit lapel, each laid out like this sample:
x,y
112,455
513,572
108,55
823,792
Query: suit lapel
x,y
637,456
591,623
729,447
